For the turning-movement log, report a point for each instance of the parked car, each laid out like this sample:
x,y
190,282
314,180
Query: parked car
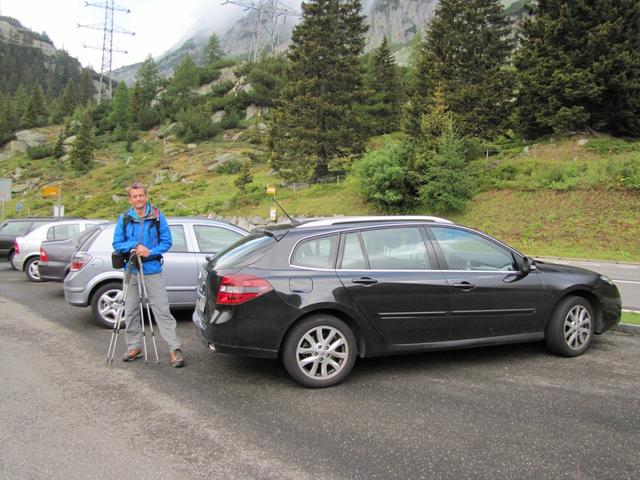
x,y
56,255
19,227
92,280
321,293
27,248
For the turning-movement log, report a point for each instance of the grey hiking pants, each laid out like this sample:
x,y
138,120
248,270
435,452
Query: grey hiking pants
x,y
157,294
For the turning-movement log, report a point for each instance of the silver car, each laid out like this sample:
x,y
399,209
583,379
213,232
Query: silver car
x,y
92,280
27,248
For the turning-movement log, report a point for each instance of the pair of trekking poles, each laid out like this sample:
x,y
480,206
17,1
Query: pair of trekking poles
x,y
144,302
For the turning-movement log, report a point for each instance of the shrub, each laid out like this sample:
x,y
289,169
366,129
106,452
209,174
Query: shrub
x,y
194,125
446,183
42,151
383,178
232,167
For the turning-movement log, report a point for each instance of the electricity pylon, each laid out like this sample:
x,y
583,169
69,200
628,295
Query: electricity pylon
x,y
268,13
107,44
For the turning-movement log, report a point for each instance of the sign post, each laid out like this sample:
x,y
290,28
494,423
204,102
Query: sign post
x,y
5,191
273,215
55,191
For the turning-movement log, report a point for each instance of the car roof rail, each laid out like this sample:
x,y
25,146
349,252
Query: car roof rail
x,y
379,218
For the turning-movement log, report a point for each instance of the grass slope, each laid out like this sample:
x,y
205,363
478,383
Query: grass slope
x,y
555,204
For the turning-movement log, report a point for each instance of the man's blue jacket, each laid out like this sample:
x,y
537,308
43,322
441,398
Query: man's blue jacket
x,y
143,231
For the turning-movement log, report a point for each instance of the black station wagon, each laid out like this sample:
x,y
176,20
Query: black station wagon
x,y
318,294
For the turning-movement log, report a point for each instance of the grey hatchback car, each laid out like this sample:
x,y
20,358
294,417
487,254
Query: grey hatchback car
x,y
92,280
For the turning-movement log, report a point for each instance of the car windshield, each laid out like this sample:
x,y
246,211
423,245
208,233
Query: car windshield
x,y
242,249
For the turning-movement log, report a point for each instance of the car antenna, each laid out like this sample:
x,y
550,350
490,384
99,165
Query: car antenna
x,y
293,222
271,191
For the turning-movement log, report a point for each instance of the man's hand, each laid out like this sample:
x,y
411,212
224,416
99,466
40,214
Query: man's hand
x,y
141,251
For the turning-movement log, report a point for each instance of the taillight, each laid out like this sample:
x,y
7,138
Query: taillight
x,y
44,258
237,289
16,247
79,261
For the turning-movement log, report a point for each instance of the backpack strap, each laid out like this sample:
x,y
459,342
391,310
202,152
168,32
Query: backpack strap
x,y
126,220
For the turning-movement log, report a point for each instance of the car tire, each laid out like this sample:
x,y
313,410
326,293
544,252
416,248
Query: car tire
x,y
571,327
11,256
31,269
319,351
105,302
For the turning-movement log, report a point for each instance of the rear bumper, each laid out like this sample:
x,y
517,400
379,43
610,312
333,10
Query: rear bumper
x,y
207,336
76,296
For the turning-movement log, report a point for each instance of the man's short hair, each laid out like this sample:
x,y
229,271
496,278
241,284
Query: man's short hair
x,y
136,186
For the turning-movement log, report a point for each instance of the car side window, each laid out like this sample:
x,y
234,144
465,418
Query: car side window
x,y
178,238
464,250
60,232
315,252
353,256
15,228
396,249
212,239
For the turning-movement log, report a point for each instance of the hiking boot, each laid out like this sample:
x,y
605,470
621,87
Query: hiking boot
x,y
131,355
177,360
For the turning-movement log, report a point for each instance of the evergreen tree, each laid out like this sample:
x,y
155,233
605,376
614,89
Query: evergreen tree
x,y
213,51
186,78
385,91
20,103
58,151
317,118
86,88
68,102
144,92
579,66
8,120
83,148
121,115
244,177
465,52
36,113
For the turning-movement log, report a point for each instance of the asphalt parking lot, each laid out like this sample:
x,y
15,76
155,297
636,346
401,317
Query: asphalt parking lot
x,y
503,412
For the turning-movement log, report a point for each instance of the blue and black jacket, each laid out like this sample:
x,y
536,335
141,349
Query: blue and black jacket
x,y
152,231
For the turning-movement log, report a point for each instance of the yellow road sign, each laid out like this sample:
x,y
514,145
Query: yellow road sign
x,y
51,191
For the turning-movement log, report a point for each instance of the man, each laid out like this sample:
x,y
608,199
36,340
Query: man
x,y
143,230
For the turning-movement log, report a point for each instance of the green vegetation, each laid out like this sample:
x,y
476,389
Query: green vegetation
x,y
631,318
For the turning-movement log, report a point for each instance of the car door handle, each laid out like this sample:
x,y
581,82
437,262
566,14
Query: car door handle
x,y
364,281
465,286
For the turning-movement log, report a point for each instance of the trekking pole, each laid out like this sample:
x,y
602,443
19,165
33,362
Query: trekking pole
x,y
144,298
119,313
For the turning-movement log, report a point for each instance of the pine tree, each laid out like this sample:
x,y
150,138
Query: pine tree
x,y
121,115
465,54
83,148
68,102
579,66
20,103
318,115
143,95
213,51
36,112
58,151
385,91
244,177
180,89
8,120
86,88
445,183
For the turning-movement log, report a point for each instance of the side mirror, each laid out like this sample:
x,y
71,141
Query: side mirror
x,y
525,265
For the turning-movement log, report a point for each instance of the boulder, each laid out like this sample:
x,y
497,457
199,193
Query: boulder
x,y
27,138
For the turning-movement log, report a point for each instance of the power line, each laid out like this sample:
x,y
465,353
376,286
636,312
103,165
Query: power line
x,y
268,13
108,30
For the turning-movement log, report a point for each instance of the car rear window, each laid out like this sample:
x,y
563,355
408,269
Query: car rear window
x,y
243,249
